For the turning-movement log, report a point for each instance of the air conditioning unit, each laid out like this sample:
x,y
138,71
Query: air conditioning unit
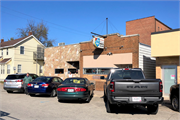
x,y
61,44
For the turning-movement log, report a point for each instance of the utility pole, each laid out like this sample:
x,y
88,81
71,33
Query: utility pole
x,y
106,26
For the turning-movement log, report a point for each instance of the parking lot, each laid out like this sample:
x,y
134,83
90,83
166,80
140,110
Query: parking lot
x,y
18,106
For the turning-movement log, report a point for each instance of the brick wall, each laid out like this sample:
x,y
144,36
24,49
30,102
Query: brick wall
x,y
113,43
144,27
160,26
167,61
57,57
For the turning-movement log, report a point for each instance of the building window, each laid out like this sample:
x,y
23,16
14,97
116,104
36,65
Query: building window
x,y
2,52
8,69
59,71
19,68
40,69
22,50
73,71
158,28
96,70
2,69
7,52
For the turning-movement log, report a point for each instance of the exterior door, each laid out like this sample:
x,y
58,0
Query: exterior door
x,y
169,78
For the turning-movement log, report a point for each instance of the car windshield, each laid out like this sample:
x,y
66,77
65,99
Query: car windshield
x,y
42,79
74,81
127,74
15,76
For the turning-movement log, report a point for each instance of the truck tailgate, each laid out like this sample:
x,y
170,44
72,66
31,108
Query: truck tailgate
x,y
144,87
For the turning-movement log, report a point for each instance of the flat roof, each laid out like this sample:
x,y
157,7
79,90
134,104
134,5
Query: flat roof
x,y
166,31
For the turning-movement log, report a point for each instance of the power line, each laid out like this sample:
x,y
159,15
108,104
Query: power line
x,y
114,26
44,20
99,25
48,25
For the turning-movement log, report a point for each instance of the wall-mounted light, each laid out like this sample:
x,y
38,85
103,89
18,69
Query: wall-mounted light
x,y
121,47
110,53
105,48
80,50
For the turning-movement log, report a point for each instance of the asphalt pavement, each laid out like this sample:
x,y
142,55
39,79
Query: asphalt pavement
x,y
18,106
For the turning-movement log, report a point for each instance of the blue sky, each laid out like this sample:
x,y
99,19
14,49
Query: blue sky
x,y
71,22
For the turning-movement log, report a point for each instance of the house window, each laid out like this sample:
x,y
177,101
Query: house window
x,y
2,69
158,28
2,52
8,69
19,68
73,71
7,52
96,70
59,71
22,50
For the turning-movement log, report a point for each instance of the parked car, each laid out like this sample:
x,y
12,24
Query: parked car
x,y
44,85
75,89
174,96
13,82
129,86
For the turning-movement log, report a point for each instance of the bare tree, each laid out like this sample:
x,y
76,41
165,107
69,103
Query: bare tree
x,y
39,30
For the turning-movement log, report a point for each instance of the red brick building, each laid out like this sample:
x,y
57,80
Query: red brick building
x,y
144,27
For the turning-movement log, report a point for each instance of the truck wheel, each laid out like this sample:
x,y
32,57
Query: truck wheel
x,y
110,107
152,109
9,91
105,98
32,95
175,103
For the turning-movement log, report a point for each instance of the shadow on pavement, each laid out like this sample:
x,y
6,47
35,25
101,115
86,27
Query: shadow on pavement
x,y
5,114
167,104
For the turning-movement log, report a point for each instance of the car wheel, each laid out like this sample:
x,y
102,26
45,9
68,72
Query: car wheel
x,y
105,98
9,91
32,95
110,107
88,99
53,93
175,103
152,109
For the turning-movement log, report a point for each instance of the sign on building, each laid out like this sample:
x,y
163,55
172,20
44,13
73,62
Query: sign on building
x,y
98,42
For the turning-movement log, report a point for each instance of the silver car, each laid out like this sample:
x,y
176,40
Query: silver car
x,y
13,82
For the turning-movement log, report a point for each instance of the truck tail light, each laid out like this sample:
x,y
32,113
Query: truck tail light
x,y
126,69
112,87
160,87
5,80
45,85
65,89
19,80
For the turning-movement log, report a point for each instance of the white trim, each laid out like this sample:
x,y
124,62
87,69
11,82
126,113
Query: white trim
x,y
24,40
130,35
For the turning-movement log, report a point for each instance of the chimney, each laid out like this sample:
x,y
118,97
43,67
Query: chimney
x,y
2,40
30,33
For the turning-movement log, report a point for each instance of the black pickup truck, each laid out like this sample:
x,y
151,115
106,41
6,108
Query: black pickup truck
x,y
129,86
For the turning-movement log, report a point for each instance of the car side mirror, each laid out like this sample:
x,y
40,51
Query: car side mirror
x,y
92,83
102,77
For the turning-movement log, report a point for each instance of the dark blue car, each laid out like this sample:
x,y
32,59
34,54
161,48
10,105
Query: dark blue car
x,y
44,85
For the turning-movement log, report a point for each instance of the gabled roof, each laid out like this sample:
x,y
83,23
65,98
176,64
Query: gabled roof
x,y
4,61
13,43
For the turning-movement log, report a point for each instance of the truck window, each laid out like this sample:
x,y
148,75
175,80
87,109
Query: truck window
x,y
127,74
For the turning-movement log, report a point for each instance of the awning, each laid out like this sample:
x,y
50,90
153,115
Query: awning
x,y
6,60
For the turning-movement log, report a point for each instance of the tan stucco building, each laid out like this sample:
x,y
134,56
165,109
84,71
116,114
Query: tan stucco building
x,y
61,60
20,56
165,48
